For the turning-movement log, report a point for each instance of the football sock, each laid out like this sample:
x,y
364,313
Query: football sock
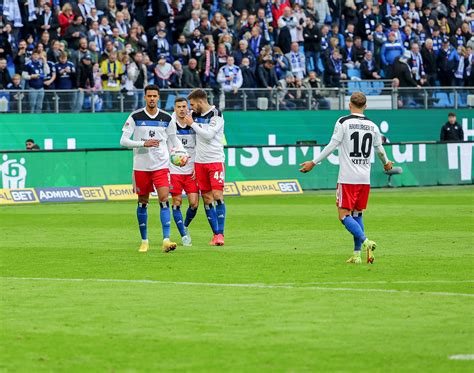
x,y
190,214
212,217
220,210
178,219
354,228
357,215
165,218
142,216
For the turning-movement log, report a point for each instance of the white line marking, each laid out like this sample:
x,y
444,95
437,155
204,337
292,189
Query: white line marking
x,y
258,286
462,357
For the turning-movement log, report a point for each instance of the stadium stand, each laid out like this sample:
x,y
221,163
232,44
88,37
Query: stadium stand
x,y
84,55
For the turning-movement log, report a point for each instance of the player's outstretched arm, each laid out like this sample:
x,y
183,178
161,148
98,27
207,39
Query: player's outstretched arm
x,y
308,165
387,165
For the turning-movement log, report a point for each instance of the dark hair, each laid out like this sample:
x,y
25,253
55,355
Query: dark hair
x,y
198,94
30,140
451,114
180,99
152,87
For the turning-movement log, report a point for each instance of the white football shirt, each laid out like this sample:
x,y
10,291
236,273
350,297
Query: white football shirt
x,y
357,136
187,136
143,126
209,128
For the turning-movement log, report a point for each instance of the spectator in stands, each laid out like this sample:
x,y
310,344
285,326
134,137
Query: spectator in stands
x,y
197,45
282,65
163,72
34,73
359,50
390,51
111,73
314,83
20,58
429,62
335,70
47,21
312,44
84,82
366,28
297,61
191,77
50,98
65,18
416,64
15,97
137,75
452,130
30,145
160,46
446,62
286,94
181,50
208,66
369,68
348,54
230,79
244,51
5,78
249,82
267,77
65,80
75,32
256,42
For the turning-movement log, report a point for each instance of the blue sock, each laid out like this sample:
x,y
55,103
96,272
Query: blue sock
x,y
212,217
220,210
354,228
165,218
178,219
357,216
190,214
142,216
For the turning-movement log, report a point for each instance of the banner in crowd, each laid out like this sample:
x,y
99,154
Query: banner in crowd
x,y
103,130
422,164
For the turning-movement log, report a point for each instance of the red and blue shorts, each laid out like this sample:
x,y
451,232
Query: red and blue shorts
x,y
352,196
183,182
144,182
210,176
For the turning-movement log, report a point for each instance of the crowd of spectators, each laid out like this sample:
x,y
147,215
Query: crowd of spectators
x,y
108,48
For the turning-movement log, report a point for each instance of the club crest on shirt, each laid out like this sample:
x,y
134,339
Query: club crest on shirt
x,y
151,133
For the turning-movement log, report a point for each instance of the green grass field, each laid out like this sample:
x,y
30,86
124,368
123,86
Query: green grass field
x,y
77,296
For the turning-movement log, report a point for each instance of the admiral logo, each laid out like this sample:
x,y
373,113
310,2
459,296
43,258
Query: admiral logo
x,y
93,193
289,187
59,195
119,192
23,195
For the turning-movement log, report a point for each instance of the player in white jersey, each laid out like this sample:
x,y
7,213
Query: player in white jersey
x,y
151,129
208,123
183,178
354,136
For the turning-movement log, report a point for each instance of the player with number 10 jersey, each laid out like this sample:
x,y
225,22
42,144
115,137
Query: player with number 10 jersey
x,y
354,136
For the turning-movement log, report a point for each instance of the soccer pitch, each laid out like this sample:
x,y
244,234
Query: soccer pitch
x,y
77,296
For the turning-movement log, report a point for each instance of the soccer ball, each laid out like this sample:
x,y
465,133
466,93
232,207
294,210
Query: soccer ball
x,y
178,158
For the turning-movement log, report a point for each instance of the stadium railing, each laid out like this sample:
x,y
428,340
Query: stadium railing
x,y
380,95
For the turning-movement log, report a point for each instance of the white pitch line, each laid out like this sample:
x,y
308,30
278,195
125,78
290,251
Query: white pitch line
x,y
257,286
462,357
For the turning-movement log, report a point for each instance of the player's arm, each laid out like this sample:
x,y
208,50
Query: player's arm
x,y
387,164
175,143
210,131
336,140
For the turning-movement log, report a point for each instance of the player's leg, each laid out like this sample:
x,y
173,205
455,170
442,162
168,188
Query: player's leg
x,y
345,200
217,183
360,205
202,177
192,191
176,191
161,180
143,185
193,200
177,215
